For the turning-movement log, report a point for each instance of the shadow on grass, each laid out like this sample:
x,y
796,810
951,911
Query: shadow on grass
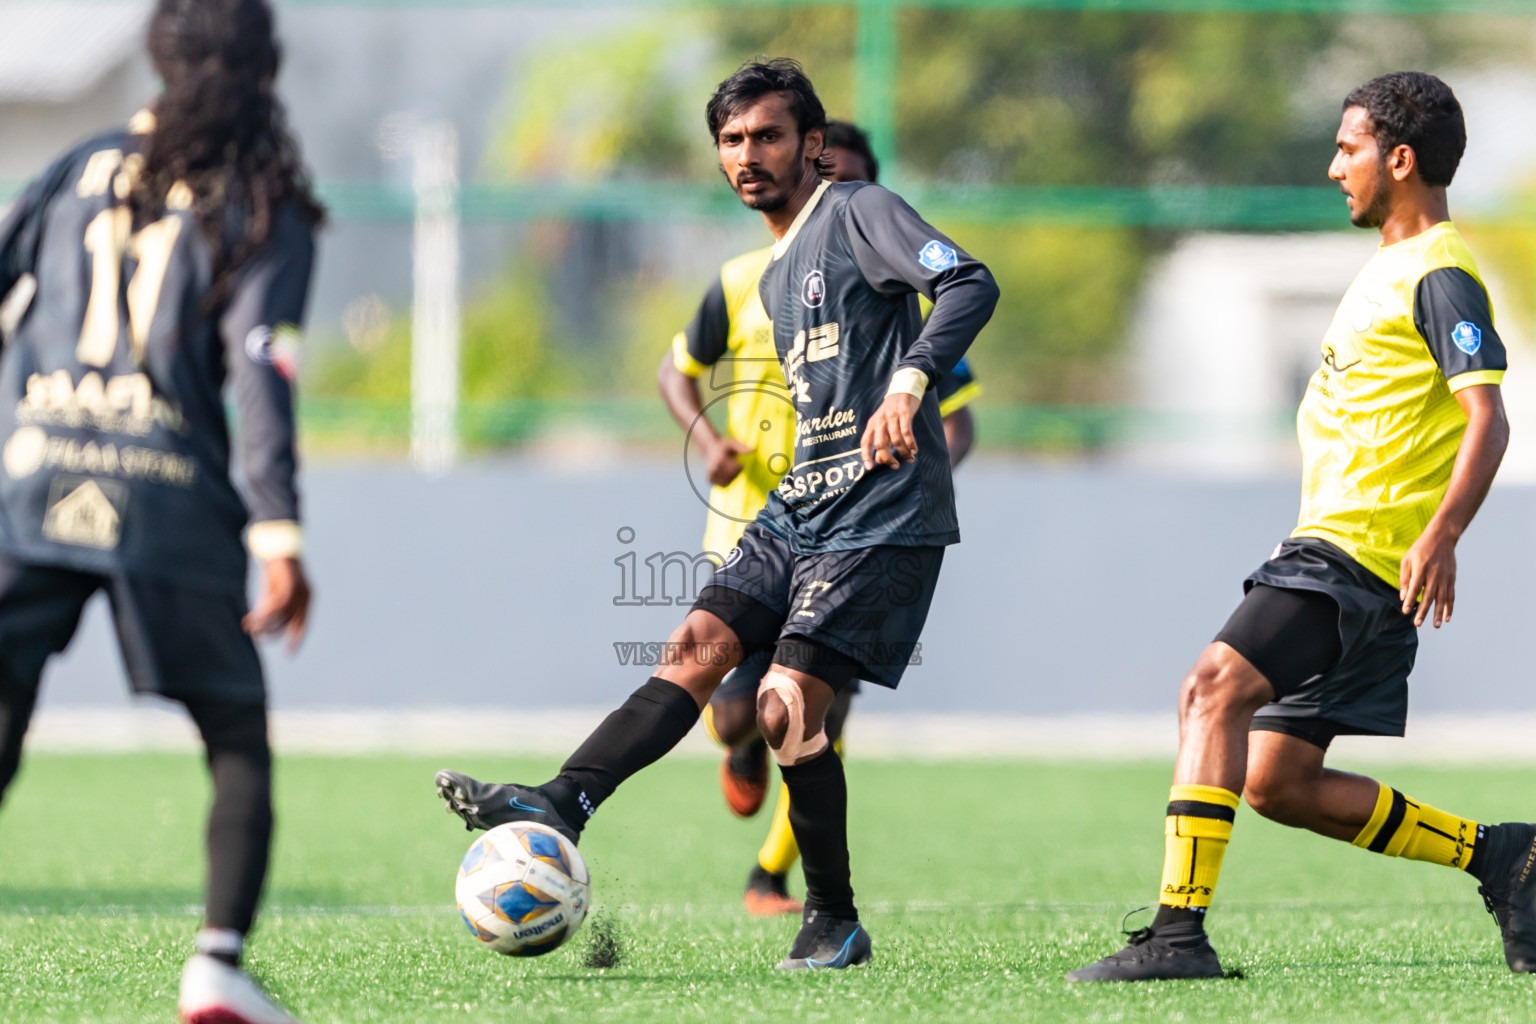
x,y
1385,964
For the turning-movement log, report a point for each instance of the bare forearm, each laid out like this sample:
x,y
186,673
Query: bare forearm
x,y
959,434
1477,462
684,402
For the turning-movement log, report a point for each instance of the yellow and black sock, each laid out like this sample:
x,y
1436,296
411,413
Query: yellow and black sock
x,y
779,851
1401,827
1199,824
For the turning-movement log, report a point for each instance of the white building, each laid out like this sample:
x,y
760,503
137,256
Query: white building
x,y
1228,333
67,71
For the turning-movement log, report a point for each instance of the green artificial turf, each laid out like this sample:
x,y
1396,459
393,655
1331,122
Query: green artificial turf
x,y
980,883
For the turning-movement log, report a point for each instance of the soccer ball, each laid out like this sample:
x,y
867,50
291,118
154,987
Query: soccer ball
x,y
523,889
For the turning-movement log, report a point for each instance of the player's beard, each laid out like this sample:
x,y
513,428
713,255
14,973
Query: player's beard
x,y
771,201
1374,213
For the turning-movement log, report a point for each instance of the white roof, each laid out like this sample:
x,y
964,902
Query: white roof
x,y
53,52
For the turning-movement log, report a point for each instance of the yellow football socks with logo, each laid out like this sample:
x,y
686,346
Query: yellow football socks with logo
x,y
1198,826
1400,827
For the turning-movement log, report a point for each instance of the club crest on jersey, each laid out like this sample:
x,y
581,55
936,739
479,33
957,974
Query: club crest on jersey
x,y
813,291
937,256
1468,337
1364,315
277,347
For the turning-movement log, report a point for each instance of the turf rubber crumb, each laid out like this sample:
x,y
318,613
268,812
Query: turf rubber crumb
x,y
605,948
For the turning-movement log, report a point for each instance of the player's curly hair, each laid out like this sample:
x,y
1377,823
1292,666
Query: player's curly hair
x,y
220,128
1417,110
758,78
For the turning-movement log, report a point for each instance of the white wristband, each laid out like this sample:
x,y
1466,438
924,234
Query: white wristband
x,y
275,538
908,380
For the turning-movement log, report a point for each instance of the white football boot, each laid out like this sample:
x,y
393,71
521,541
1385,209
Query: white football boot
x,y
212,992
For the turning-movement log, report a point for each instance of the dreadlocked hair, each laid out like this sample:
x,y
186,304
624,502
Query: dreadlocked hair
x,y
221,130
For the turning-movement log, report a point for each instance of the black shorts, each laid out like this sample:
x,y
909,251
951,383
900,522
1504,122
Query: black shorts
x,y
177,641
1338,654
837,615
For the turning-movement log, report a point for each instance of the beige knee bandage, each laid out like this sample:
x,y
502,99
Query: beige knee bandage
x,y
796,747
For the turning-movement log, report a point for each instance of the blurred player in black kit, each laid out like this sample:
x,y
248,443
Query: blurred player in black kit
x,y
836,574
168,260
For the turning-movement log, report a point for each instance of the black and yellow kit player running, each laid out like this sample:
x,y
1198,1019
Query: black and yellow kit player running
x,y
1322,619
730,339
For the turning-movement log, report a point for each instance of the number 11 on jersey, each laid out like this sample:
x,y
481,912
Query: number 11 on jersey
x,y
109,238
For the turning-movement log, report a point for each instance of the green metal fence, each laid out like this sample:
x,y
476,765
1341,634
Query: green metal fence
x,y
487,426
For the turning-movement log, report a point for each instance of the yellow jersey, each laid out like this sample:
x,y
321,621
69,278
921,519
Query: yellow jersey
x,y
731,337
1379,424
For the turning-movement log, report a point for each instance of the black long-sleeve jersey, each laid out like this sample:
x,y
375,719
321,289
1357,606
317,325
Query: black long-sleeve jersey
x,y
116,451
842,292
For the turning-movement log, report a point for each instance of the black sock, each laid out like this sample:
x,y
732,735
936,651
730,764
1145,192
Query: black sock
x,y
1497,849
1477,863
240,821
750,757
15,713
818,812
651,722
1183,917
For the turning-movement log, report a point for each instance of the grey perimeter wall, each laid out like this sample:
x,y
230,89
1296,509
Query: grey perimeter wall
x,y
1083,588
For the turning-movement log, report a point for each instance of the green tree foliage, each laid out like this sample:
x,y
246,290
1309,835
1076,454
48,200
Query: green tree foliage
x,y
1072,98
984,97
506,352
618,105
1055,336
1507,249
601,107
820,38
607,106
996,97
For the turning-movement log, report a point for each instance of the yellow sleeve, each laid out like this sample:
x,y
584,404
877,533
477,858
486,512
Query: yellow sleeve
x,y
1475,377
685,363
960,399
